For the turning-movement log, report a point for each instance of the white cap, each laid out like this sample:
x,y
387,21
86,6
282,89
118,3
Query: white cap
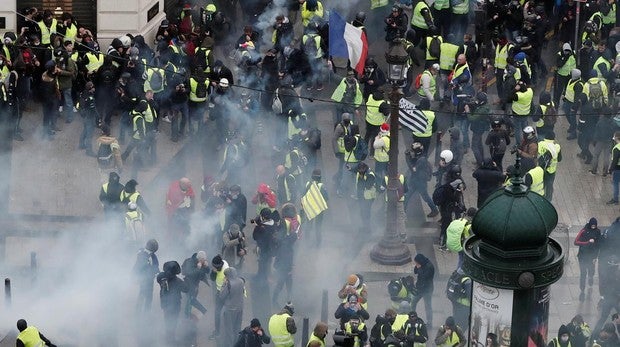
x,y
224,82
132,206
446,155
435,66
528,129
566,47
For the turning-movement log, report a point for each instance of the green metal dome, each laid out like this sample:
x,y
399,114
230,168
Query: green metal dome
x,y
515,222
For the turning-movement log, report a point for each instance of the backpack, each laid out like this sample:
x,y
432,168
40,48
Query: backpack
x,y
314,138
439,196
454,288
499,145
545,160
310,47
596,96
418,81
361,150
201,89
104,155
349,142
186,268
157,80
108,76
434,48
276,103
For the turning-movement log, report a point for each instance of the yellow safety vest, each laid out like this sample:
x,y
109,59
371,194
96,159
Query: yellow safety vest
x,y
464,301
601,60
501,54
378,3
538,184
616,148
95,61
453,340
30,337
317,43
46,33
292,130
428,132
610,18
296,171
193,86
569,94
4,73
315,338
417,20
447,58
441,4
138,117
382,154
399,322
279,334
7,52
459,70
349,157
428,47
432,86
554,149
541,121
461,8
417,333
570,64
149,76
131,197
71,32
596,80
313,202
373,115
207,51
521,107
287,191
369,193
150,114
219,277
401,178
307,15
349,330
340,140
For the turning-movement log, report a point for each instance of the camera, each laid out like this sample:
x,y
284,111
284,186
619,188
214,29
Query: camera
x,y
256,221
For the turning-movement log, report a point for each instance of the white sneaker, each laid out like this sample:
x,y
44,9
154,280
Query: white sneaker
x,y
167,119
75,110
60,108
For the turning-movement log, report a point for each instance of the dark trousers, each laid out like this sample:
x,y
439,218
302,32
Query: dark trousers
x,y
316,226
548,180
477,148
499,81
446,219
125,127
586,269
192,301
371,132
231,325
145,296
559,87
422,189
49,115
179,120
498,158
285,278
219,304
171,319
428,305
86,138
264,265
196,114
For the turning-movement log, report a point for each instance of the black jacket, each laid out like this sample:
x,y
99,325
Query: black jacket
x,y
171,287
344,314
489,180
425,274
193,274
248,338
265,236
146,266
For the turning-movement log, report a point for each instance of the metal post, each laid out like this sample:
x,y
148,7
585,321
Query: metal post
x,y
7,291
305,331
324,306
577,11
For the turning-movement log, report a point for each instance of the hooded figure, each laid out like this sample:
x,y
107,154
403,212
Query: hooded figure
x,y
563,338
450,334
232,296
588,240
110,193
489,177
171,287
425,272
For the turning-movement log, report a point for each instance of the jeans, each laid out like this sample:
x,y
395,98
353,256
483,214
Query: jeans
x,y
615,175
422,189
86,138
570,117
520,122
586,269
381,172
428,308
68,106
192,301
462,123
179,121
477,148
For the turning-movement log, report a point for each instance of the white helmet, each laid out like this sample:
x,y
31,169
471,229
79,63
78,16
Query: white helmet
x,y
446,155
132,206
126,41
528,129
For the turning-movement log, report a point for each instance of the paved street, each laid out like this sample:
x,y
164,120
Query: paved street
x,y
54,189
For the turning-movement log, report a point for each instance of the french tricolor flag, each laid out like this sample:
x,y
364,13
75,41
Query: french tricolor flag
x,y
347,41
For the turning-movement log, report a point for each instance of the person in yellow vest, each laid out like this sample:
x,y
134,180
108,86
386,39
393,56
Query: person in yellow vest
x,y
138,139
603,61
608,11
552,155
395,24
459,18
318,335
381,146
459,230
424,137
131,194
441,15
415,330
218,266
450,335
565,63
68,26
364,195
459,293
356,329
348,96
503,50
286,186
572,102
377,110
315,225
428,83
563,339
614,169
432,55
544,115
47,26
534,178
422,22
29,336
134,224
282,327
447,60
342,129
109,196
383,326
522,99
310,11
354,285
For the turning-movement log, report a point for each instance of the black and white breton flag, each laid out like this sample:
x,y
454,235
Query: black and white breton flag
x,y
410,117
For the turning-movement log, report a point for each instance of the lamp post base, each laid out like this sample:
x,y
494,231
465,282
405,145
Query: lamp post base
x,y
390,252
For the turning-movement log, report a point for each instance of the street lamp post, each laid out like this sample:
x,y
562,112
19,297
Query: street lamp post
x,y
390,250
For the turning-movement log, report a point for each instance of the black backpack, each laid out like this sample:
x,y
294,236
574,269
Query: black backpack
x,y
157,80
454,288
108,76
438,195
314,138
104,155
201,89
361,150
434,48
310,46
349,142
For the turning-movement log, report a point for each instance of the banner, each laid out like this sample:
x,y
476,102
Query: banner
x,y
410,117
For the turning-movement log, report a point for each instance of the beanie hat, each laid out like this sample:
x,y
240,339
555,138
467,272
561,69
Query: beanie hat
x,y
593,74
255,323
450,321
593,221
201,255
520,56
346,116
575,74
152,245
217,261
566,47
289,307
419,258
563,330
265,213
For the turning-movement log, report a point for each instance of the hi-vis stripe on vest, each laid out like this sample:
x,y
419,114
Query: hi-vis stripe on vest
x,y
313,203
